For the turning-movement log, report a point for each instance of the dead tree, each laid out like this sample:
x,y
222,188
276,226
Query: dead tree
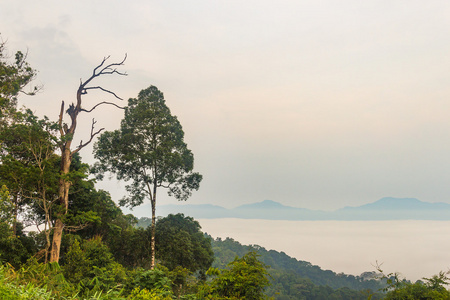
x,y
67,132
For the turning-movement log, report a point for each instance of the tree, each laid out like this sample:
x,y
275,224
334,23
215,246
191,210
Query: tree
x,y
245,278
180,242
92,259
148,150
14,77
67,132
29,167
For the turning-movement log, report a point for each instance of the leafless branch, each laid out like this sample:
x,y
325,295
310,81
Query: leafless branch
x,y
93,134
60,119
84,91
103,70
104,102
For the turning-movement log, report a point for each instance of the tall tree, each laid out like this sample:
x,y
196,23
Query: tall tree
x,y
15,75
67,132
29,167
148,150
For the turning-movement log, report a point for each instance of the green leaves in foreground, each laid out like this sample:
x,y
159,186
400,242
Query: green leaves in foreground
x,y
244,278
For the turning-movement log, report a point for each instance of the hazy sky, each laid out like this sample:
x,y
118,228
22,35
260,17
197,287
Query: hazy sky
x,y
316,104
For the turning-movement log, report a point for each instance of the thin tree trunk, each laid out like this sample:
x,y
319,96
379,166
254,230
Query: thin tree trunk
x,y
47,238
47,227
152,242
16,204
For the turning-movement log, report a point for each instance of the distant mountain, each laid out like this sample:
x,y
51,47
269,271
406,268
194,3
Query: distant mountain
x,y
401,204
271,210
384,209
396,209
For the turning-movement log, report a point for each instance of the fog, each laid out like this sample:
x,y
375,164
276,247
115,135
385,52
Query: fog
x,y
416,249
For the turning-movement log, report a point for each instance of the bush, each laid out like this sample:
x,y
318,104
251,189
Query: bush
x,y
153,280
91,265
245,278
12,289
144,294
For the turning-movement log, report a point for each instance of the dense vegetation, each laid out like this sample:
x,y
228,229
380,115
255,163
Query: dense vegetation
x,y
83,247
294,279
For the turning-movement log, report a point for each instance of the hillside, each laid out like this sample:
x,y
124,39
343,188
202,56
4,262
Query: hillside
x,y
292,278
295,279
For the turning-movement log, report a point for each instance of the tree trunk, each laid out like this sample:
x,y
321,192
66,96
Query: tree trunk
x,y
47,226
16,204
56,244
63,196
152,242
47,236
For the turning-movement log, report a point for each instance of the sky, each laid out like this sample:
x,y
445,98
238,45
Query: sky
x,y
314,104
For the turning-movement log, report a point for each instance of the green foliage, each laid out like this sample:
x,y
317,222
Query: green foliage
x,y
14,248
244,278
14,76
144,294
155,279
91,264
144,222
43,277
432,288
289,286
131,247
46,281
6,206
180,243
148,149
225,251
294,279
11,291
29,168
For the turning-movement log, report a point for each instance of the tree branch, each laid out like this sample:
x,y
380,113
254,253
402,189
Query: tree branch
x,y
60,119
104,102
101,70
93,134
84,91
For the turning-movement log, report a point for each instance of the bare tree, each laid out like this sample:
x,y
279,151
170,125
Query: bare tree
x,y
67,132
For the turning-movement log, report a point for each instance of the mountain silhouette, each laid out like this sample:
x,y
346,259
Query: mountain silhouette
x,y
387,208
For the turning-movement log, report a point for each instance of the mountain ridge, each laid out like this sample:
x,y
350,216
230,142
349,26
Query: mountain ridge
x,y
387,208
